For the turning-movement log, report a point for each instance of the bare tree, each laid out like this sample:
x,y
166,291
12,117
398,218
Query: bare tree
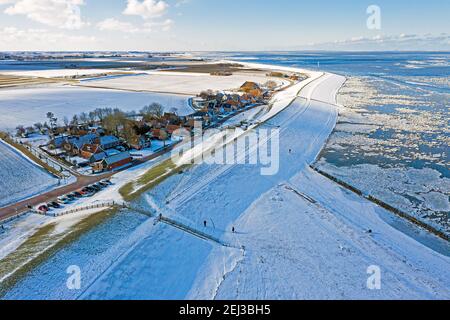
x,y
154,109
53,120
38,126
20,130
83,117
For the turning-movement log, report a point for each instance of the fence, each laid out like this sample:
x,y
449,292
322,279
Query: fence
x,y
181,226
90,207
14,217
47,159
384,205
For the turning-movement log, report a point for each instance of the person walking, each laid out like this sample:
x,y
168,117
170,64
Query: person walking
x,y
233,230
204,223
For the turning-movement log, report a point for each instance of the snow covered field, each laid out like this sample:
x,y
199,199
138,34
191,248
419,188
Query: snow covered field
x,y
30,105
180,83
20,178
52,73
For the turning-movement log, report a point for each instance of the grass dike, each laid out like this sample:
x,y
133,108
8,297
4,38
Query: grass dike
x,y
42,245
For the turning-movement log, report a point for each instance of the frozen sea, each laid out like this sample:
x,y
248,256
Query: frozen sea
x,y
393,135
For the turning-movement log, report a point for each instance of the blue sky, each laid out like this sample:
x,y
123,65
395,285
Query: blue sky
x,y
228,25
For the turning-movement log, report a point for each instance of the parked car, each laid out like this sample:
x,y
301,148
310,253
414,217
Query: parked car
x,y
64,199
86,192
103,184
107,181
95,187
77,194
70,196
55,204
42,208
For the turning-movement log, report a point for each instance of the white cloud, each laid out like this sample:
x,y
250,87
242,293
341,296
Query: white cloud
x,y
56,13
165,25
146,9
384,42
112,24
41,39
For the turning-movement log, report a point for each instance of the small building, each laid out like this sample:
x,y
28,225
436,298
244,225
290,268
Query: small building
x,y
74,145
88,150
102,155
57,142
108,142
141,143
171,128
249,86
160,134
113,162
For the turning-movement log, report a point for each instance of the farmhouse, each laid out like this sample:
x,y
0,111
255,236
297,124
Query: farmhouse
x,y
57,142
108,142
142,142
88,150
102,155
113,162
74,145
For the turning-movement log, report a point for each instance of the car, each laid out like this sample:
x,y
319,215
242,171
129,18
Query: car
x,y
77,194
98,185
107,181
70,196
95,187
55,204
86,192
64,199
42,208
89,190
103,184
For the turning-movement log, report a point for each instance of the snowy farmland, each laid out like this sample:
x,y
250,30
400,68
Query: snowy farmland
x,y
180,83
19,177
55,73
30,105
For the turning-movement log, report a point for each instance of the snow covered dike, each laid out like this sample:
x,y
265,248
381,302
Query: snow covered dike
x,y
300,235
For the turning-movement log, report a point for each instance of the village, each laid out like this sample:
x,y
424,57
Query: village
x,y
108,140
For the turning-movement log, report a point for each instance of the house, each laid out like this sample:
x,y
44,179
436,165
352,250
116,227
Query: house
x,y
154,124
108,142
73,145
252,88
88,150
58,142
141,143
113,162
97,129
249,86
160,134
170,118
171,128
102,155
